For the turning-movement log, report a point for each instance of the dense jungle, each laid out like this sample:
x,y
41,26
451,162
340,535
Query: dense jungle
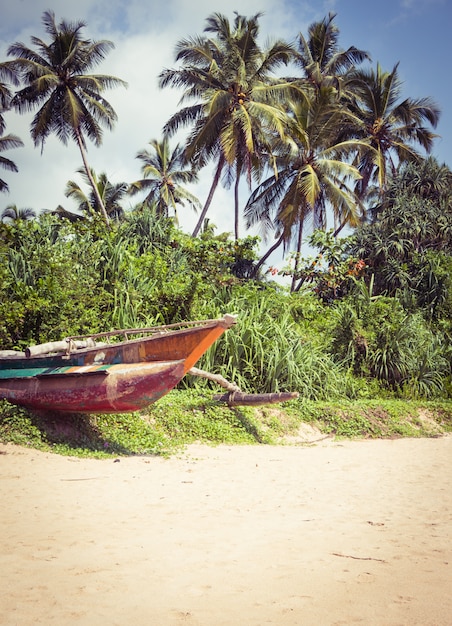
x,y
343,190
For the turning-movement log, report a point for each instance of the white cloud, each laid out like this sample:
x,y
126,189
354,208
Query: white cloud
x,y
420,5
415,8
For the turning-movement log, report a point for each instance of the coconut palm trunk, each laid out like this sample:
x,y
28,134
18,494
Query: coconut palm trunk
x,y
236,203
216,180
90,176
269,252
297,256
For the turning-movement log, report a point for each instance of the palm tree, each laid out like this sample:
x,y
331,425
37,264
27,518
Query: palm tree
x,y
312,174
110,194
164,174
63,213
324,64
238,102
5,97
69,101
5,92
8,142
14,214
319,144
391,128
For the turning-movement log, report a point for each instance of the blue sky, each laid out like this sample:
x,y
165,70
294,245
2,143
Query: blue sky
x,y
415,33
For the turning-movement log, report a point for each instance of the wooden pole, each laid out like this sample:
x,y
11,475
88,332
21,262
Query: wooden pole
x,y
255,399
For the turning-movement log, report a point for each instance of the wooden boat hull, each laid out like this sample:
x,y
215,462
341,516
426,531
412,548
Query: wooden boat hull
x,y
126,371
110,388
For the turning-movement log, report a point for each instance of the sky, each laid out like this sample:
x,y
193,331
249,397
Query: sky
x,y
414,33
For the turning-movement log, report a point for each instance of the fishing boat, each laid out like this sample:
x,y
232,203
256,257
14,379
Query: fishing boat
x,y
111,372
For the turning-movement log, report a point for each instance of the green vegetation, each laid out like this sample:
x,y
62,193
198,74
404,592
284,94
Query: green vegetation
x,y
185,417
363,328
54,81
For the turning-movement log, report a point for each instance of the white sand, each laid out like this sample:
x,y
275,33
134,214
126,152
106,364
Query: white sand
x,y
336,533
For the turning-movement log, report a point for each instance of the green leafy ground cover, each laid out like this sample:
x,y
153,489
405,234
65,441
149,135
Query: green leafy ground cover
x,y
187,416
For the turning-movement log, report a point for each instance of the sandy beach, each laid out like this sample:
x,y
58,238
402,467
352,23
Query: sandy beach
x,y
335,533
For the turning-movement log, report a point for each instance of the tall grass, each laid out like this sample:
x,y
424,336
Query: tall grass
x,y
266,351
379,338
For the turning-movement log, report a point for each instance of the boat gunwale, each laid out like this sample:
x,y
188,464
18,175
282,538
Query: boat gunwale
x,y
152,332
227,321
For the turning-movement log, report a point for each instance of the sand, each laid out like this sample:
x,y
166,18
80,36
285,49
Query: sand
x,y
355,532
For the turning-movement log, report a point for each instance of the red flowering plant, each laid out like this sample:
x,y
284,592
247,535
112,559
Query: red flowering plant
x,y
272,270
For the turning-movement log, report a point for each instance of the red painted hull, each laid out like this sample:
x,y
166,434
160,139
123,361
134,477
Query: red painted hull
x,y
95,389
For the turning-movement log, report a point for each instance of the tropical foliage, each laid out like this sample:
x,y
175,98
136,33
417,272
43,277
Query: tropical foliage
x,y
62,278
164,175
10,141
367,315
53,79
391,127
111,195
323,62
238,101
408,247
310,175
12,212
